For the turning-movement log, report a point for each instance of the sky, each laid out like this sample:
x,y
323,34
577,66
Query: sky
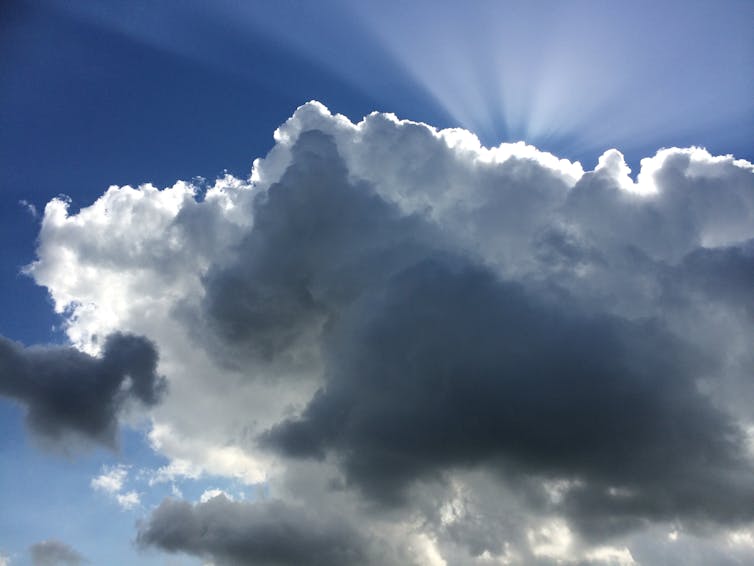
x,y
431,283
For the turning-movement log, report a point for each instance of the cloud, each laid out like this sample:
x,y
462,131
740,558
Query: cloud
x,y
262,532
30,208
449,367
70,393
301,262
54,553
212,493
111,482
429,338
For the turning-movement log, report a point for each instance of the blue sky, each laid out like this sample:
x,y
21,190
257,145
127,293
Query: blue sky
x,y
95,95
126,93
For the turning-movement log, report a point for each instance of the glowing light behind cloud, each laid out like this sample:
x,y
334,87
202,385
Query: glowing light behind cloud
x,y
581,74
574,77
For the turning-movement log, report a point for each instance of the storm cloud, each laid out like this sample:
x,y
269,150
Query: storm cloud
x,y
263,533
68,392
449,367
402,328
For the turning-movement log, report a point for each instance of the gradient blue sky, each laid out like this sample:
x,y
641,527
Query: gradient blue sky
x,y
125,92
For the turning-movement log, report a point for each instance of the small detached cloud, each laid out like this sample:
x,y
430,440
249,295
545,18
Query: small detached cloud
x,y
55,553
71,395
30,208
111,482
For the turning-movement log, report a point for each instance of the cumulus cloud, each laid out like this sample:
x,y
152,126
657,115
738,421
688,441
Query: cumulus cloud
x,y
54,553
399,326
69,393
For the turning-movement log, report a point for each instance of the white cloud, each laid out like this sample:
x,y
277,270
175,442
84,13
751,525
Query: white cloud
x,y
670,246
194,458
553,539
112,481
128,500
212,493
742,538
425,551
610,555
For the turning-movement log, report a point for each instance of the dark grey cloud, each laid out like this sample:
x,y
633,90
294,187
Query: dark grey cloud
x,y
724,275
68,392
260,533
448,366
54,553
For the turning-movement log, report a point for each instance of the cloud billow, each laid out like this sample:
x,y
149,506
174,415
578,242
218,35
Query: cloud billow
x,y
408,310
317,242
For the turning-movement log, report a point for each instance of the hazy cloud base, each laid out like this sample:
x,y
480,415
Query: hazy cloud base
x,y
461,355
54,553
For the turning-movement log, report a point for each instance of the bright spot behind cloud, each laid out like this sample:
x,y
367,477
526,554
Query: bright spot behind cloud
x,y
579,76
574,75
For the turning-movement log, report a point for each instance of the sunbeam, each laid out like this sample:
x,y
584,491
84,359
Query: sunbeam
x,y
576,76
